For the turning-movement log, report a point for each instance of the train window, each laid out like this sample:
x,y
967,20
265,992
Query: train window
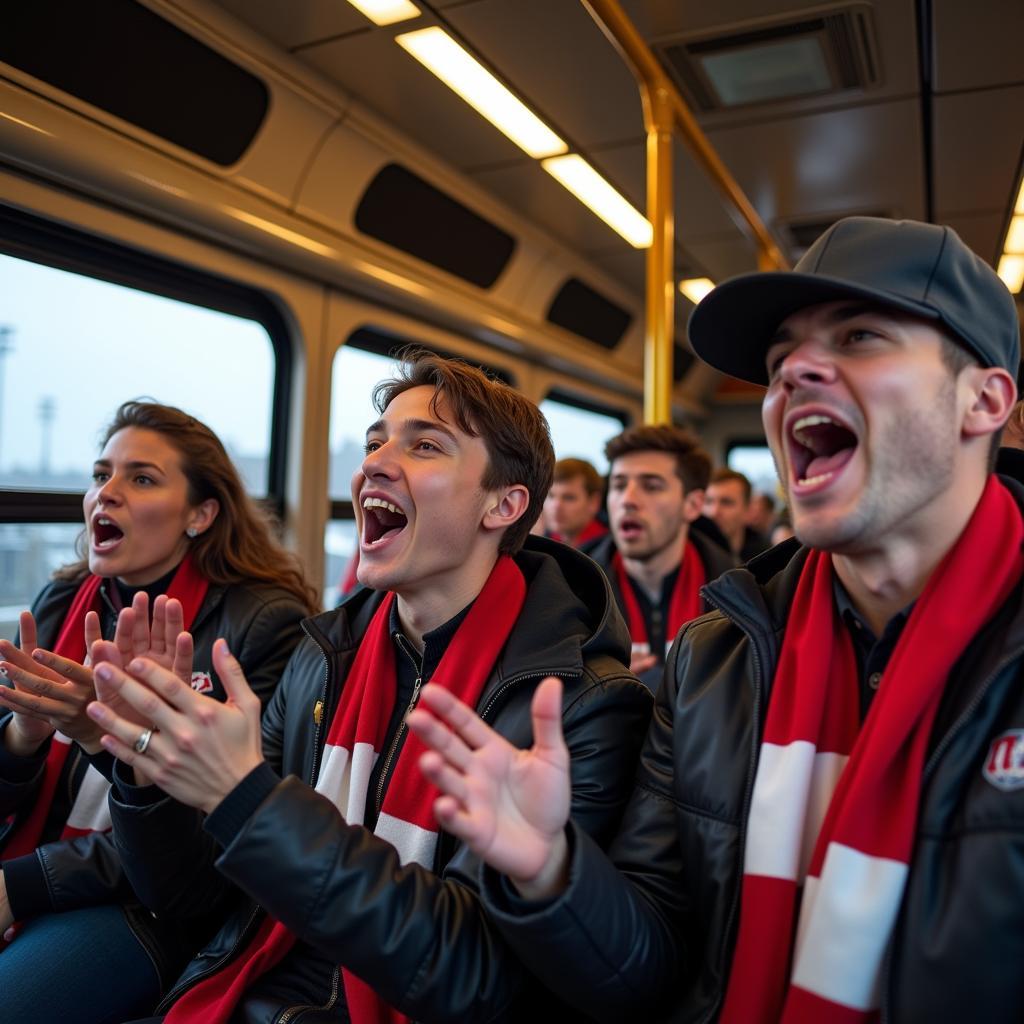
x,y
580,429
214,110
72,348
405,211
579,308
754,461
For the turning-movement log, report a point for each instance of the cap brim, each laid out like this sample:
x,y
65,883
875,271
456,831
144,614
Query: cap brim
x,y
733,326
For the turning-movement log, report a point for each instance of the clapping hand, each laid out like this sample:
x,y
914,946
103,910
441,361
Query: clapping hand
x,y
51,692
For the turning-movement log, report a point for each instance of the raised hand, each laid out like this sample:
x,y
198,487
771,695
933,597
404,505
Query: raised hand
x,y
509,806
27,730
52,692
197,749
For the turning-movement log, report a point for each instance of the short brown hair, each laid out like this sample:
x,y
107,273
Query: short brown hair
x,y
693,464
569,469
725,473
513,429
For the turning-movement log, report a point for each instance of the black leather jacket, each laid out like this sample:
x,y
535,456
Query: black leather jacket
x,y
652,937
261,624
716,560
419,938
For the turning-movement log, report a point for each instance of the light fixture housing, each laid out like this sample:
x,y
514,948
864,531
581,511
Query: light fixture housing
x,y
695,288
439,53
386,12
594,192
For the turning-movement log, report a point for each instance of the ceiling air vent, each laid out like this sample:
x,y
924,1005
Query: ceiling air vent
x,y
764,63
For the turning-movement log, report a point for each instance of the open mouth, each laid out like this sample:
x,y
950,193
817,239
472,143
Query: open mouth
x,y
381,520
629,528
105,533
819,447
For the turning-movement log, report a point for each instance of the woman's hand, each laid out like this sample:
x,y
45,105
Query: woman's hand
x,y
52,692
26,732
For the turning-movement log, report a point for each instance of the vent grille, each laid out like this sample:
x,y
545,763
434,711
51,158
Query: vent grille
x,y
841,44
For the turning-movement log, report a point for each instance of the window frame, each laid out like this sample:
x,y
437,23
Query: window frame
x,y
29,237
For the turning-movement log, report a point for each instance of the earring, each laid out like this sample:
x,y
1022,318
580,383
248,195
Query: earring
x,y
192,533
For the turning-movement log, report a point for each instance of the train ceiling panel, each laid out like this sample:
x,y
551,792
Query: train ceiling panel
x,y
298,22
572,73
978,45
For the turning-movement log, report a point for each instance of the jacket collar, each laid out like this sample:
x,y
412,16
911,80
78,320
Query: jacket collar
x,y
569,614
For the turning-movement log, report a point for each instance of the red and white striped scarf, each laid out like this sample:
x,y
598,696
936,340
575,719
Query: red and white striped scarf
x,y
89,812
835,804
685,603
356,735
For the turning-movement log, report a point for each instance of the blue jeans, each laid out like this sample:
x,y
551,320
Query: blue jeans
x,y
84,966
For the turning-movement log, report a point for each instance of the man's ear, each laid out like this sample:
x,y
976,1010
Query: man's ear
x,y
693,504
594,504
507,506
991,396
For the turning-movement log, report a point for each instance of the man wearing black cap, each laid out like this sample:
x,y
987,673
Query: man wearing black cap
x,y
828,822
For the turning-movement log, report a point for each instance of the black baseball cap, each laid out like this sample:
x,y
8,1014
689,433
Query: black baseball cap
x,y
924,269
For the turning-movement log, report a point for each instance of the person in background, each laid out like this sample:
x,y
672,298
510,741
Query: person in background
x,y
828,820
655,561
168,528
727,502
572,503
318,847
761,513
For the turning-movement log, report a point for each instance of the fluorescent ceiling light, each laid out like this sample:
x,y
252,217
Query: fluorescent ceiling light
x,y
592,190
1015,236
464,74
1011,271
695,288
386,12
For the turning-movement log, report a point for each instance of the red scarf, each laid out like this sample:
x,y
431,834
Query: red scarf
x,y
89,811
357,732
594,529
834,806
685,603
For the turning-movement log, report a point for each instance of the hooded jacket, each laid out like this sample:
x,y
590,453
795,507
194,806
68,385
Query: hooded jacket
x,y
418,937
650,933
261,625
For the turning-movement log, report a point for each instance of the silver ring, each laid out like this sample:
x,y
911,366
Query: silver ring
x,y
143,741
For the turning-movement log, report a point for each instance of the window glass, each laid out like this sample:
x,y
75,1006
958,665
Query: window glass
x,y
756,464
72,348
580,433
354,376
29,552
339,547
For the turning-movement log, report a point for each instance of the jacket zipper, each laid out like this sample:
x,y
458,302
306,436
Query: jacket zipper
x,y
747,794
929,769
172,997
291,1012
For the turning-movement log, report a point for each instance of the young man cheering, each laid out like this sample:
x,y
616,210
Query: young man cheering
x,y
348,899
655,560
828,823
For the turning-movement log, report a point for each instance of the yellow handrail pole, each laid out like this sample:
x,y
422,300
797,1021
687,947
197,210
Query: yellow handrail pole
x,y
659,331
622,33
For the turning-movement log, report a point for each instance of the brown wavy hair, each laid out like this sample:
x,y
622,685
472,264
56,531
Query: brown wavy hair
x,y
240,545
